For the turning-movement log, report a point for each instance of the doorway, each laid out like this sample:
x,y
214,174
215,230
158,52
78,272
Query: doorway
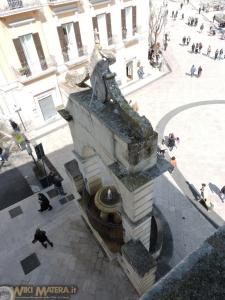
x,y
129,70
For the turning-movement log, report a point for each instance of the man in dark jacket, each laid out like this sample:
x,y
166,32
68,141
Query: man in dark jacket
x,y
44,202
57,183
40,236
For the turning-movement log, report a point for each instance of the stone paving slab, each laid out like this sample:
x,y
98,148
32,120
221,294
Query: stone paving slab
x,y
75,259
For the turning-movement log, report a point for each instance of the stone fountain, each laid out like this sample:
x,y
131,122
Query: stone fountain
x,y
114,167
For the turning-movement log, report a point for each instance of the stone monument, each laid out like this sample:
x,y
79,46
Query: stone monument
x,y
114,167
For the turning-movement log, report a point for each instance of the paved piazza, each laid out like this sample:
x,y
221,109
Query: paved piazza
x,y
192,108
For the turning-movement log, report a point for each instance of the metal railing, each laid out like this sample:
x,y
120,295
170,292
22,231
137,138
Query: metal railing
x,y
81,52
30,70
61,1
8,7
98,1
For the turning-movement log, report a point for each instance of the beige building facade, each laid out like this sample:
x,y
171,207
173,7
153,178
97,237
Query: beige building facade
x,y
42,39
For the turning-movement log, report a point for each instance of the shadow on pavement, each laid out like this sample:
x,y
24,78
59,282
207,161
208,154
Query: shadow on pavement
x,y
14,188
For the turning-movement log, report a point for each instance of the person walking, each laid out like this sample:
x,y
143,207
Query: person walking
x,y
199,71
193,69
2,155
165,45
221,54
202,192
184,40
188,40
201,27
195,22
14,126
216,54
176,14
173,163
40,236
193,48
182,16
208,50
200,47
222,193
57,183
189,21
44,202
214,17
199,10
172,14
181,5
196,48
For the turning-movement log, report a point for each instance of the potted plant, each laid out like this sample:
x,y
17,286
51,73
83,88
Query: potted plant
x,y
40,173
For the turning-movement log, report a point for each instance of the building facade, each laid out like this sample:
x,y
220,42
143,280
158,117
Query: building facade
x,y
42,39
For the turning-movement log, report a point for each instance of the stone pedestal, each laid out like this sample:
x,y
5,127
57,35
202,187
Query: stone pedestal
x,y
115,146
139,265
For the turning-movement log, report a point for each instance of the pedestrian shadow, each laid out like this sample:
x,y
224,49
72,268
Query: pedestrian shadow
x,y
214,188
194,191
188,74
189,51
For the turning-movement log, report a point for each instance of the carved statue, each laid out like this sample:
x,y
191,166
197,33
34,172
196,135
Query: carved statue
x,y
105,88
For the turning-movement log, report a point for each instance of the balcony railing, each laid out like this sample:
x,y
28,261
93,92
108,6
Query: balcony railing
x,y
81,52
95,2
12,7
58,2
28,72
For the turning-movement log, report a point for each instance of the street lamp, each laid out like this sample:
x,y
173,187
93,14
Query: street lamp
x,y
18,110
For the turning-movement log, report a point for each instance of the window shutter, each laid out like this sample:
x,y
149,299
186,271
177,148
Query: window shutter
x,y
21,55
109,28
123,23
95,27
63,43
40,51
134,19
78,38
95,23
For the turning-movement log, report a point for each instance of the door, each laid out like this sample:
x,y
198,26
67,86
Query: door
x,y
47,107
129,70
30,52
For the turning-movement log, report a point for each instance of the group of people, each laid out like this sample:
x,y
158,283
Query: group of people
x,y
205,198
196,48
174,14
194,69
219,54
186,40
192,21
40,235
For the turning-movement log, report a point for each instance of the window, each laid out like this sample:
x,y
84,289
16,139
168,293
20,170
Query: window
x,y
30,53
102,29
128,20
70,41
47,107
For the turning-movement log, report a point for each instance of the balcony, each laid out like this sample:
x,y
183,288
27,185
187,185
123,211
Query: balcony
x,y
60,2
26,73
12,7
99,2
81,59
